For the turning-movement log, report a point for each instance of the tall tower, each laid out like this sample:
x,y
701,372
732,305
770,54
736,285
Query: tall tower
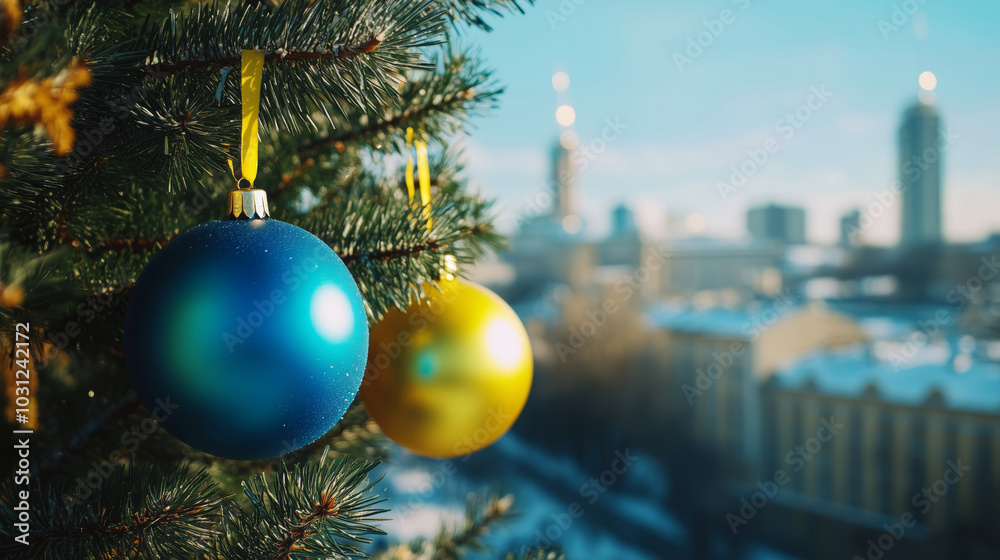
x,y
920,175
564,171
850,229
564,181
622,220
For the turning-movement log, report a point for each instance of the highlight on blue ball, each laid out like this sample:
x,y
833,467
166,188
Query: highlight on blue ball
x,y
254,330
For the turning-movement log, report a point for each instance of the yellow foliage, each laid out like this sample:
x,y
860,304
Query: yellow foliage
x,y
46,102
10,16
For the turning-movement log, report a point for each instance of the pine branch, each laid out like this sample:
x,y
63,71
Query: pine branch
x,y
94,317
134,513
135,220
482,512
325,508
132,245
309,511
42,293
413,250
84,436
470,11
96,38
387,247
452,543
288,178
356,435
291,57
537,554
285,174
140,124
438,105
318,52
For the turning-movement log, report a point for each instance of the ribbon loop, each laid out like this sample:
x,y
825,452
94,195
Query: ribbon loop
x,y
250,83
409,164
423,175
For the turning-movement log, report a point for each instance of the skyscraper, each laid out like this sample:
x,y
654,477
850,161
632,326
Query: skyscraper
x,y
850,229
622,220
564,182
920,175
779,223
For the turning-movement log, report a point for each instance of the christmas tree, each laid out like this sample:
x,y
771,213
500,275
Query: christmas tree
x,y
118,124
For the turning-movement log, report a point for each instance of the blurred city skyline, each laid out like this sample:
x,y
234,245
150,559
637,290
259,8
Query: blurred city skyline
x,y
681,121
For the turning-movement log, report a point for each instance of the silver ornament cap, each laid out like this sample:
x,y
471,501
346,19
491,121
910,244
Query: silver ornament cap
x,y
247,204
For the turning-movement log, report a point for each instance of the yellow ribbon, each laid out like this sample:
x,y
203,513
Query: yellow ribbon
x,y
250,81
423,175
409,164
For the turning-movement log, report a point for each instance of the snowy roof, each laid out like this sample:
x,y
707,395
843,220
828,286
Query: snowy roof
x,y
718,321
805,258
886,321
851,373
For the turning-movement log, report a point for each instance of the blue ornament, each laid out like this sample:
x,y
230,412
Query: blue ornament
x,y
247,337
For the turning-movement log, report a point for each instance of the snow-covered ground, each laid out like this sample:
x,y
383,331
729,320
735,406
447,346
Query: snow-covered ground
x,y
593,515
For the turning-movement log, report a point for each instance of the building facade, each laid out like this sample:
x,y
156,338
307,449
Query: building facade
x,y
717,358
831,452
786,224
913,459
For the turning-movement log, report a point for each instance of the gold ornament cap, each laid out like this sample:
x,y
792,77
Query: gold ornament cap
x,y
247,204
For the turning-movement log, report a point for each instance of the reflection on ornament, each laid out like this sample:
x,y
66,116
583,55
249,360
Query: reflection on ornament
x,y
330,311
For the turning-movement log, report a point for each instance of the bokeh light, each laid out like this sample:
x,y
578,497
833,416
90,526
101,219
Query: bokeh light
x,y
560,81
928,81
565,115
571,224
569,140
695,223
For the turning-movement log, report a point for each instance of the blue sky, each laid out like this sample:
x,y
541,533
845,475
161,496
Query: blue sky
x,y
686,127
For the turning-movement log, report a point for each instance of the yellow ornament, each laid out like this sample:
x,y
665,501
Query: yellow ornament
x,y
450,375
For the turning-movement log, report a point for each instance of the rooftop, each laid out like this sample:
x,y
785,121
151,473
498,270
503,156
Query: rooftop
x,y
718,321
851,373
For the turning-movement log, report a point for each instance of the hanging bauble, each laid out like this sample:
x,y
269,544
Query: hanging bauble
x,y
246,338
449,375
